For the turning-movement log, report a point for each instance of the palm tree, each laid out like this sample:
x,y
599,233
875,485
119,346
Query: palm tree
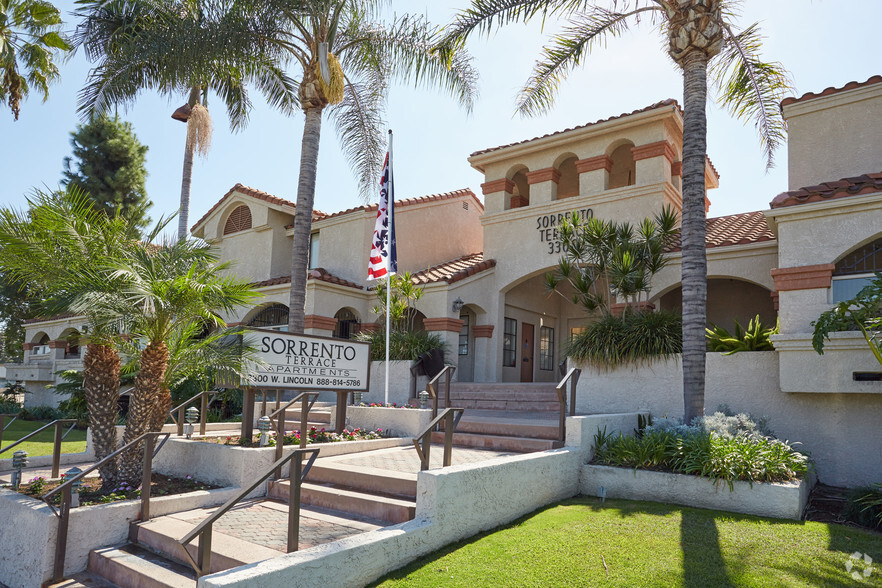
x,y
702,38
29,38
163,290
346,59
59,247
179,47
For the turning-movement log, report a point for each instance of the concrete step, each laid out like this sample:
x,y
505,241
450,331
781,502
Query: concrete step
x,y
499,442
364,479
294,425
384,508
83,580
162,533
507,428
513,405
135,567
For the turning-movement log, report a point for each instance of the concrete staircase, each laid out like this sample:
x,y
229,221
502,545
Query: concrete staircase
x,y
381,495
505,416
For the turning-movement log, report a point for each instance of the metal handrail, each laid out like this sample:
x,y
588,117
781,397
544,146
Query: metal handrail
x,y
56,444
4,427
447,370
279,425
63,514
573,378
451,420
202,564
202,413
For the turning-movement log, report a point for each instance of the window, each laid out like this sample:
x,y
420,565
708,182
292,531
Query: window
x,y
273,317
856,270
546,348
509,342
464,335
347,324
576,331
239,220
313,250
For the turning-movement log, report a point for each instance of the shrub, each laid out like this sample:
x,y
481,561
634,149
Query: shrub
x,y
631,338
754,338
403,345
9,407
739,451
41,413
865,506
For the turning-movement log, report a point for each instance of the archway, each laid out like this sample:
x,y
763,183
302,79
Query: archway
x,y
348,323
624,170
728,299
273,316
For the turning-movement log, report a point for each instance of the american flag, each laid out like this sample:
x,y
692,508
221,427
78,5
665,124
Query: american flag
x,y
384,259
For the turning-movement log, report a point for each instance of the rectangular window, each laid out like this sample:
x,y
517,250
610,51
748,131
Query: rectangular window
x,y
847,287
313,251
546,348
509,342
464,335
576,331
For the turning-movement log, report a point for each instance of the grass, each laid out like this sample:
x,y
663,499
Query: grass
x,y
41,444
646,544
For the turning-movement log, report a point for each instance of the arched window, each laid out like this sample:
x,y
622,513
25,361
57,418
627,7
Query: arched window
x,y
623,172
239,220
568,185
856,269
521,195
272,317
347,323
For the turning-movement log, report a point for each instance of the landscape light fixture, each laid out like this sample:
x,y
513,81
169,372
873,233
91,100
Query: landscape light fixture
x,y
19,462
75,487
192,415
264,425
424,397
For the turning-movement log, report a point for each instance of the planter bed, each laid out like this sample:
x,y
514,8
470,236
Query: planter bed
x,y
29,544
780,500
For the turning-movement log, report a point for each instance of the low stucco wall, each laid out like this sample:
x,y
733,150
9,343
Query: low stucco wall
x,y
230,465
452,504
782,501
29,545
399,382
840,431
402,422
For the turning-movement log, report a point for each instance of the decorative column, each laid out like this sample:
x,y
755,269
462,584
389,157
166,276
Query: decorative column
x,y
58,347
593,174
497,195
448,329
315,324
483,337
653,161
543,185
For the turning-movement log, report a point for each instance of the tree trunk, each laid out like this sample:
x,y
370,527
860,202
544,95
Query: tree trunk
x,y
694,272
101,383
145,408
312,130
187,177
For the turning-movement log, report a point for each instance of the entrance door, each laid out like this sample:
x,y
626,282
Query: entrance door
x,y
526,352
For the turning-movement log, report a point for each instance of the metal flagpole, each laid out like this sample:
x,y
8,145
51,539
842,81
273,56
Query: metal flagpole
x,y
389,206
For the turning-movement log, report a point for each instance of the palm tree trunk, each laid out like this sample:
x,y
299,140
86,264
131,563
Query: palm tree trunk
x,y
187,177
101,383
312,130
144,409
694,272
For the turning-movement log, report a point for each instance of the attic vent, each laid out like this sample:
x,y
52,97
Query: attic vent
x,y
465,205
239,220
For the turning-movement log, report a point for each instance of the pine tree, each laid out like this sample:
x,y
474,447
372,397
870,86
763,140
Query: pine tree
x,y
108,165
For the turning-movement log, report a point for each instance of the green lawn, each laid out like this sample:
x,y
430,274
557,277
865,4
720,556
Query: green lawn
x,y
41,444
646,544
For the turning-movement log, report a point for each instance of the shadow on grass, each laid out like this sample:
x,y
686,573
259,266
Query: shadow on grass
x,y
703,563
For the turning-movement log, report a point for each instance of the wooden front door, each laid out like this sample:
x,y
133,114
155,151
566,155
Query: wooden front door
x,y
526,352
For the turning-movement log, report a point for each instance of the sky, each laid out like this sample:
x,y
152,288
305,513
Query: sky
x,y
822,43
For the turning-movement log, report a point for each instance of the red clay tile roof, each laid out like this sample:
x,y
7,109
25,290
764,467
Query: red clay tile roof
x,y
735,229
663,103
56,317
318,273
455,270
410,201
242,189
865,184
831,90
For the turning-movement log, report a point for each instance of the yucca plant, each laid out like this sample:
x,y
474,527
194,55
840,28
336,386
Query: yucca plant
x,y
635,337
755,338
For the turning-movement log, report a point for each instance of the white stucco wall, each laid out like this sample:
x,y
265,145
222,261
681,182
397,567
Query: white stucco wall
x,y
840,431
399,382
401,422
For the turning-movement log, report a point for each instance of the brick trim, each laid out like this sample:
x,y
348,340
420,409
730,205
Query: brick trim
x,y
677,168
485,331
654,150
594,163
369,327
503,185
774,296
805,277
451,325
543,175
28,346
317,321
58,344
519,201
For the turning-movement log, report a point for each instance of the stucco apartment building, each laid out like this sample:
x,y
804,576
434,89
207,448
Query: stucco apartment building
x,y
481,261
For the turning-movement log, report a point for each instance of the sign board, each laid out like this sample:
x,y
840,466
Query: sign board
x,y
306,361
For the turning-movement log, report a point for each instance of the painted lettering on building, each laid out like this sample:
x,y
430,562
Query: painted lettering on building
x,y
547,226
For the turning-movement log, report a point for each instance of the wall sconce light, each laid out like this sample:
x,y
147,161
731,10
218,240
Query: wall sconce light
x,y
458,304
